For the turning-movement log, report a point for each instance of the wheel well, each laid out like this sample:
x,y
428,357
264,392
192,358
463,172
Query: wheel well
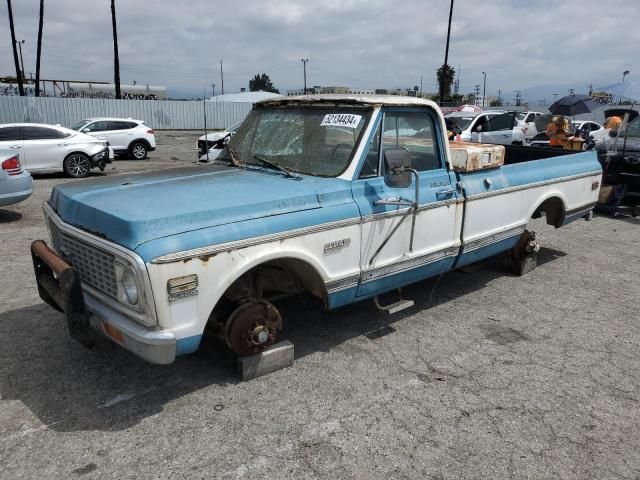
x,y
77,153
553,208
139,140
279,277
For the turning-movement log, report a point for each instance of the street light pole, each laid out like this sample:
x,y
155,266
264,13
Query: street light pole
x,y
446,54
19,43
484,89
221,77
624,74
304,68
213,89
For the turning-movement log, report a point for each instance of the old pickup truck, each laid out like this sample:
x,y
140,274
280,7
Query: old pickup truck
x,y
342,197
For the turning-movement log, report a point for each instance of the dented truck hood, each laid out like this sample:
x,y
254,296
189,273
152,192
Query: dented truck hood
x,y
185,208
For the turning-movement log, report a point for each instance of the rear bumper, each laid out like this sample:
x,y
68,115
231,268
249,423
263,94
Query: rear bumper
x,y
15,188
59,286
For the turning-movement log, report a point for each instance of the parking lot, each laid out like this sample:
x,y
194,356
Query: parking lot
x,y
488,376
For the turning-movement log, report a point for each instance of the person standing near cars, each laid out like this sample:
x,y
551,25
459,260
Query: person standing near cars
x,y
557,131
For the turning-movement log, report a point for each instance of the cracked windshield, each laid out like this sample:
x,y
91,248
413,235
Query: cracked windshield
x,y
310,140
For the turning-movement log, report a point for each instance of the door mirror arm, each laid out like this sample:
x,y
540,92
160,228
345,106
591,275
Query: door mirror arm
x,y
398,164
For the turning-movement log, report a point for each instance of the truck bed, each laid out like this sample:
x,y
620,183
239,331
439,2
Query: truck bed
x,y
521,153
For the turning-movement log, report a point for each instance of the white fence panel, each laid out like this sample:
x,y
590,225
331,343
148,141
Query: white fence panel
x,y
158,114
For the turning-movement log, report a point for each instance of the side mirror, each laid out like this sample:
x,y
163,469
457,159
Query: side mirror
x,y
85,130
397,161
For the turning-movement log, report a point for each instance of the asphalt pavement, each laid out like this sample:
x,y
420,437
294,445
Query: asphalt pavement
x,y
488,376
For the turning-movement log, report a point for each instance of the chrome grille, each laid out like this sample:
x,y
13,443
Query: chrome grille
x,y
95,266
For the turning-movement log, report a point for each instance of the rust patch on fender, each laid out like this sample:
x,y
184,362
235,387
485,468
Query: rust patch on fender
x,y
206,258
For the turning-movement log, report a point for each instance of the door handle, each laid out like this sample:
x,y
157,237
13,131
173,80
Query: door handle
x,y
15,147
447,192
386,201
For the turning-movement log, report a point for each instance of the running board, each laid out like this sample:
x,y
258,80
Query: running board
x,y
395,307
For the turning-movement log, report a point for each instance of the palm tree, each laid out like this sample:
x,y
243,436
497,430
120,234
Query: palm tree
x,y
15,52
445,75
116,60
39,49
446,53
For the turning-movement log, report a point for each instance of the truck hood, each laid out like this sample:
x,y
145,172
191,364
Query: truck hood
x,y
133,209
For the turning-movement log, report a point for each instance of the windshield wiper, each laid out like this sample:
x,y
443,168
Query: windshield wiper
x,y
275,165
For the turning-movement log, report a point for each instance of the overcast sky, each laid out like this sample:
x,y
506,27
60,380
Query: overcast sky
x,y
364,44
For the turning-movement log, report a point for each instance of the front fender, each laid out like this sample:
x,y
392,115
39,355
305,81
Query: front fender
x,y
216,273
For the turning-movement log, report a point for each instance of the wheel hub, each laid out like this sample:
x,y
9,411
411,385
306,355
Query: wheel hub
x,y
252,327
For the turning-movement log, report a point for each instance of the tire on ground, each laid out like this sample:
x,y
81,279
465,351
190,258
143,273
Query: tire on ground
x,y
77,165
138,151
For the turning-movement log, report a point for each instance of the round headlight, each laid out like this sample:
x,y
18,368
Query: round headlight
x,y
130,287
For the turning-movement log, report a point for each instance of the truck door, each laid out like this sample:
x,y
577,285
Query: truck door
x,y
390,257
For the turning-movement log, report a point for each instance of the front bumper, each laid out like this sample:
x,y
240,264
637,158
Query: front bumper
x,y
102,157
59,286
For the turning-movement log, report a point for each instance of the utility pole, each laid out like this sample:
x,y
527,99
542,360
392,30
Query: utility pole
x,y
304,68
477,92
39,47
590,89
221,78
213,89
116,59
555,95
421,85
518,98
484,89
571,91
15,51
20,43
499,98
446,54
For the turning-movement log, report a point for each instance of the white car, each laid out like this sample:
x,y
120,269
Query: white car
x,y
16,183
526,120
488,127
597,131
215,141
125,135
52,148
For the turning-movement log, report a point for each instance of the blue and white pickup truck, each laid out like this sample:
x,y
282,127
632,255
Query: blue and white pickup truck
x,y
343,197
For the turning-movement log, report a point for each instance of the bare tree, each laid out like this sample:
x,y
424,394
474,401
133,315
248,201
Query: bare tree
x,y
116,60
39,51
15,52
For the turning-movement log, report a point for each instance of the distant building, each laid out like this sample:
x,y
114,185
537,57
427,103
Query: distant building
x,y
487,100
362,91
342,90
310,91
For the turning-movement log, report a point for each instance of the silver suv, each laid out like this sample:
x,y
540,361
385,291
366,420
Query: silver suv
x,y
125,135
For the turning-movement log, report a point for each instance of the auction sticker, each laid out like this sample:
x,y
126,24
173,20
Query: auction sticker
x,y
341,120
